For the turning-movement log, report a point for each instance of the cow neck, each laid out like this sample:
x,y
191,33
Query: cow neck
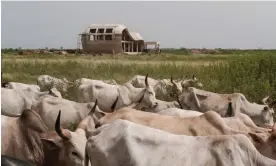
x,y
136,93
38,95
254,110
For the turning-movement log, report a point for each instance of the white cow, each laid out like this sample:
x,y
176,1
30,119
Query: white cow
x,y
18,85
48,82
81,81
107,94
125,143
200,100
73,112
14,101
138,81
161,105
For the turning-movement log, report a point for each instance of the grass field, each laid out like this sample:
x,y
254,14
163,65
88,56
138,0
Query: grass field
x,y
253,74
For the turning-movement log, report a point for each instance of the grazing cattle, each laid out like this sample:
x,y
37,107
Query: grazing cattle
x,y
10,161
124,143
14,101
209,123
106,94
26,138
48,82
18,85
199,100
73,112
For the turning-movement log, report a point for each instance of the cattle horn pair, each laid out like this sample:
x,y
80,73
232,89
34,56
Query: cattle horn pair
x,y
63,133
146,81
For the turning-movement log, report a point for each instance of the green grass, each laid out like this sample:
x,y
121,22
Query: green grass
x,y
253,74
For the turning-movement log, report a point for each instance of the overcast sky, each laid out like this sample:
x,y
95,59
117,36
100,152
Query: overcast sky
x,y
173,24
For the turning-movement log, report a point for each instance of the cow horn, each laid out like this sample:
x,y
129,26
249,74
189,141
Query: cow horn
x,y
179,102
93,108
229,112
64,134
146,80
114,104
271,104
184,77
173,81
264,100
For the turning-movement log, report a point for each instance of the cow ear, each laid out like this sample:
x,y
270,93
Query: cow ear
x,y
32,120
52,144
256,138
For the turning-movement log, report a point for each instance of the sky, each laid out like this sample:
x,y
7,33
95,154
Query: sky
x,y
243,25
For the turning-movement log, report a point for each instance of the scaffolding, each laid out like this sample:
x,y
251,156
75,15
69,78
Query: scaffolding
x,y
79,42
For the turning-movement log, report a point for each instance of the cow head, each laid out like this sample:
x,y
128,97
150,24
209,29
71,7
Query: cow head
x,y
265,142
149,95
69,146
261,114
54,92
67,83
191,83
176,89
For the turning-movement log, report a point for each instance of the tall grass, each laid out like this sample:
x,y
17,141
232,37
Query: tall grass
x,y
252,75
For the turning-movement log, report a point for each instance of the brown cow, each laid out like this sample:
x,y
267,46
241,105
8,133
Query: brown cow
x,y
209,123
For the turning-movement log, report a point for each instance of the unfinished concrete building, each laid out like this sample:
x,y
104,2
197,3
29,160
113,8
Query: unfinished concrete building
x,y
111,38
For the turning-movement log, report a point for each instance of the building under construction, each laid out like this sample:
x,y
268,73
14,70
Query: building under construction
x,y
113,38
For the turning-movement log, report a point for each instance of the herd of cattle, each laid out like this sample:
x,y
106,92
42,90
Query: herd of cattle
x,y
144,121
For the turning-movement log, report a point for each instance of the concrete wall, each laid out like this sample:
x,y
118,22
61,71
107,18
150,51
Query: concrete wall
x,y
102,46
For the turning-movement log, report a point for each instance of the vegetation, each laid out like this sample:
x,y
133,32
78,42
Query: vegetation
x,y
252,73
